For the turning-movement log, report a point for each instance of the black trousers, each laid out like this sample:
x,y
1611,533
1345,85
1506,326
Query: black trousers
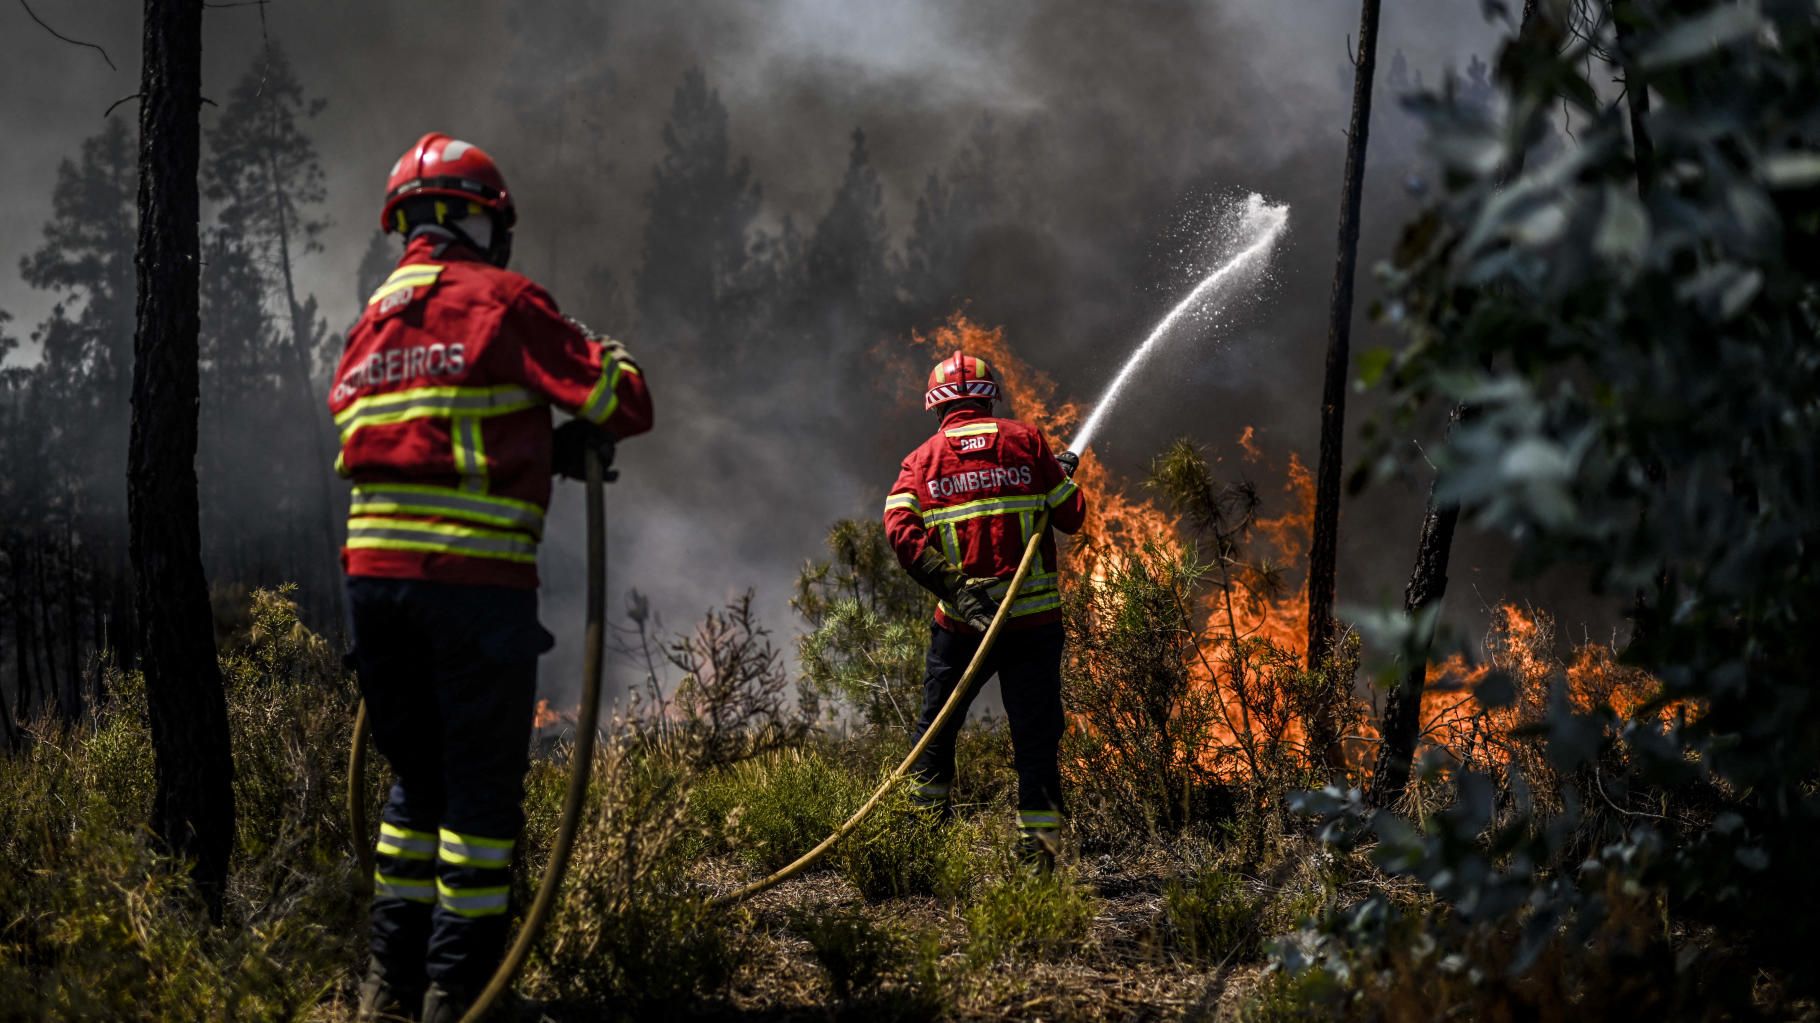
x,y
1028,663
449,674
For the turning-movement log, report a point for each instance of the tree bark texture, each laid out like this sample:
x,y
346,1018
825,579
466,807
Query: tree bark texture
x,y
1402,723
1636,93
193,808
1323,550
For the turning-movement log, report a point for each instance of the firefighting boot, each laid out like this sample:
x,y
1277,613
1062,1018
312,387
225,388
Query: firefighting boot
x,y
1037,848
932,798
383,1002
440,1005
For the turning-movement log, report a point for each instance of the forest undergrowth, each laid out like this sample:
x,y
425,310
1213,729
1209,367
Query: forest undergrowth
x,y
1180,881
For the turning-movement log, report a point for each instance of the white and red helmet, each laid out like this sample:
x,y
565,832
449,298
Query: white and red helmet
x,y
960,377
442,166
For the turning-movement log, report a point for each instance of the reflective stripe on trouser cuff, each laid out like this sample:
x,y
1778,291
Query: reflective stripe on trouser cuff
x,y
409,889
930,792
439,538
603,400
405,844
447,502
1039,820
474,850
473,901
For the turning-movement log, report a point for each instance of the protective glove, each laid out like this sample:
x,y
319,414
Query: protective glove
x,y
976,602
935,573
569,449
1070,462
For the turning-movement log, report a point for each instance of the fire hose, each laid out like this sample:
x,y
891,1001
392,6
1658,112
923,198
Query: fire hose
x,y
581,760
941,720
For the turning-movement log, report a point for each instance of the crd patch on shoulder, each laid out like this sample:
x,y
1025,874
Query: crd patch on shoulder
x,y
406,284
972,438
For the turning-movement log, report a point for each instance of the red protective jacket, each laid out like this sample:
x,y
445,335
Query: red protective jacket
x,y
442,400
976,488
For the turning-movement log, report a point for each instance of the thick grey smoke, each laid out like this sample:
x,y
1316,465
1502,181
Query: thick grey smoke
x,y
1119,122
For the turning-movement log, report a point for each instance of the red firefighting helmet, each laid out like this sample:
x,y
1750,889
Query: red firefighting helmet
x,y
960,377
442,166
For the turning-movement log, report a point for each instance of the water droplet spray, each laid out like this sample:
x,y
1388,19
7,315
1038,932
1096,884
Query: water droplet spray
x,y
1260,227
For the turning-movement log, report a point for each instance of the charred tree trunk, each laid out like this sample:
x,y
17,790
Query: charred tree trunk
x,y
69,702
1625,16
1324,549
47,636
22,642
193,809
6,710
1402,722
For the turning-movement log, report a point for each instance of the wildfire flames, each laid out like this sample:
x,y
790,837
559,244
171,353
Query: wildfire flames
x,y
1520,643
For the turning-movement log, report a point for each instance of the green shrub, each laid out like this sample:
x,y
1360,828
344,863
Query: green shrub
x,y
877,972
771,809
1286,997
630,935
1027,916
857,953
96,924
1211,914
902,849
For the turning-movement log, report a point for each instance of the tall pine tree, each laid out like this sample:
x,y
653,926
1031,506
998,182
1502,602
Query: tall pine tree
x,y
267,179
846,291
694,286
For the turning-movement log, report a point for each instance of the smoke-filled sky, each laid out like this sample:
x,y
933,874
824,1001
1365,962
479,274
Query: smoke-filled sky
x,y
1124,118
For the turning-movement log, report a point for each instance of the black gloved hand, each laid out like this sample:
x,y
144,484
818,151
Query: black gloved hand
x,y
935,573
1070,462
573,440
977,602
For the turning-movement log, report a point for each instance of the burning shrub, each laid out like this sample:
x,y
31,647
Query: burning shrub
x,y
1137,757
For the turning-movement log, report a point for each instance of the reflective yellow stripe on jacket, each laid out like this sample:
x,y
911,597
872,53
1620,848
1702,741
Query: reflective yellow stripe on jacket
x,y
429,402
378,533
982,508
386,499
415,275
603,400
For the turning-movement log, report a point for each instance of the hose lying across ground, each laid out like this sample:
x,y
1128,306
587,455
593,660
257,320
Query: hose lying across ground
x,y
941,720
583,756
580,764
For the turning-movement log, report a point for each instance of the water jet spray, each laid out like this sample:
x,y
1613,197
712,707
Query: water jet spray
x,y
1260,226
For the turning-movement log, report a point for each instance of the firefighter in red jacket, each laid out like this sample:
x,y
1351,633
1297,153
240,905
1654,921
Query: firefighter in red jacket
x,y
959,517
443,401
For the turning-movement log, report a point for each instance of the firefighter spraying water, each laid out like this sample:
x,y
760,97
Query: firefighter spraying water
x,y
965,503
